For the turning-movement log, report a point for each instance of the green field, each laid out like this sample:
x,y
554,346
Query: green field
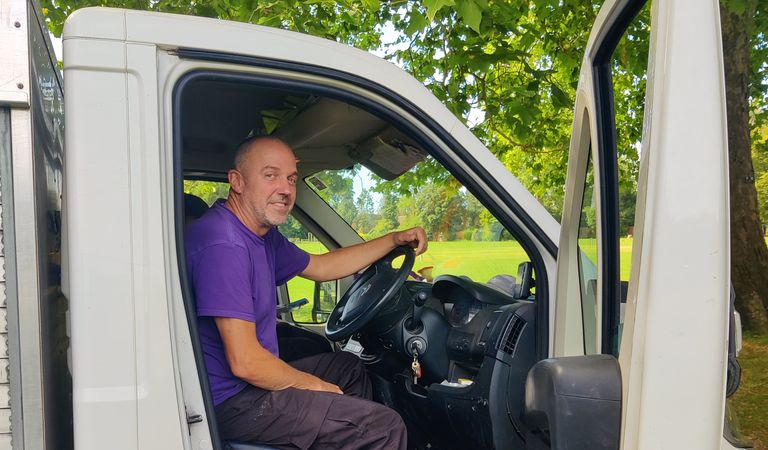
x,y
478,260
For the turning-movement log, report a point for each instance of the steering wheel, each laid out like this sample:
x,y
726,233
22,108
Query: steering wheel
x,y
376,286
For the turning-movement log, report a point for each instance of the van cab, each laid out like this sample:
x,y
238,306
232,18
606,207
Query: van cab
x,y
553,350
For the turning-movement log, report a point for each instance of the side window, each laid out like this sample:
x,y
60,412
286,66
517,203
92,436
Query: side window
x,y
322,297
588,256
628,76
620,66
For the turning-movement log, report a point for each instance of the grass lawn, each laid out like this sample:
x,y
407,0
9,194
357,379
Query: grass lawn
x,y
750,402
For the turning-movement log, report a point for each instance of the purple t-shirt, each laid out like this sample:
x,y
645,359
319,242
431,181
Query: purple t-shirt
x,y
234,273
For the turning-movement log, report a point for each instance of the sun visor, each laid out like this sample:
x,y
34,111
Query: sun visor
x,y
387,158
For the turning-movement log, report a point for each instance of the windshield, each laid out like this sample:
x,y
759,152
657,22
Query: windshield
x,y
464,237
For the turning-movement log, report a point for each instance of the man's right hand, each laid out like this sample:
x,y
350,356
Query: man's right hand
x,y
251,362
316,384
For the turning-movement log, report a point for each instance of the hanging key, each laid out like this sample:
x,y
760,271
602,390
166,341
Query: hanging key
x,y
416,367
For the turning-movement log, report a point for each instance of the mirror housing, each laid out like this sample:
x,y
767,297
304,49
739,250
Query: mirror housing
x,y
574,403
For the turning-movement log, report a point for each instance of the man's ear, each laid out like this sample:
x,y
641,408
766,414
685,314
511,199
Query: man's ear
x,y
235,181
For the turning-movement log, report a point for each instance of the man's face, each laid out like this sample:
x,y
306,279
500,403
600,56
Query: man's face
x,y
268,188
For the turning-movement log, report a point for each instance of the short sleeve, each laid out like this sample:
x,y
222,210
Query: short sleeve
x,y
290,260
222,282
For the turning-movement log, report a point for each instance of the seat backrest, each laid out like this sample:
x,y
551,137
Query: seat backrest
x,y
194,208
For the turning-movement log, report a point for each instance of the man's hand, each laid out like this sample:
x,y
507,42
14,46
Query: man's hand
x,y
415,237
314,383
254,364
348,260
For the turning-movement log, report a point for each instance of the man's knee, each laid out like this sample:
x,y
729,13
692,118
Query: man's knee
x,y
390,421
391,417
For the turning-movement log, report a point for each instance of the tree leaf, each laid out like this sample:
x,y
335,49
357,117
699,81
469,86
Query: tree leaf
x,y
433,6
417,22
470,13
371,5
559,98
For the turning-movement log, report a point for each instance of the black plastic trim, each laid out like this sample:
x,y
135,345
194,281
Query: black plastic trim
x,y
305,219
181,256
605,45
542,310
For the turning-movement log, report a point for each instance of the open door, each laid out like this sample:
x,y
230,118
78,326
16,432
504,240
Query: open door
x,y
662,332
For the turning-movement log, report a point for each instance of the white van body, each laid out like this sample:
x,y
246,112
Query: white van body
x,y
134,379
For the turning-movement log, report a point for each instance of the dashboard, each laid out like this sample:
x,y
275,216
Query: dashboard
x,y
478,344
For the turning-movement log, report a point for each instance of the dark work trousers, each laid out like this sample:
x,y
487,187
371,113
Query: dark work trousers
x,y
301,419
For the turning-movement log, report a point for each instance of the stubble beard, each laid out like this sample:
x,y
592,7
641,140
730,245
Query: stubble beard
x,y
273,219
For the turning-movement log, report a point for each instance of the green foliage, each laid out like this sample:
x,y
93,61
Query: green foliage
x,y
349,21
516,62
209,191
760,160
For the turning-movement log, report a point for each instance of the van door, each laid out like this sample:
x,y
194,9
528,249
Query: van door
x,y
671,343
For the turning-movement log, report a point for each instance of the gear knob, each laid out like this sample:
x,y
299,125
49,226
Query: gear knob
x,y
420,298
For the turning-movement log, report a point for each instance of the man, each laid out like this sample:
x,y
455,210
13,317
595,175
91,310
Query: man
x,y
236,258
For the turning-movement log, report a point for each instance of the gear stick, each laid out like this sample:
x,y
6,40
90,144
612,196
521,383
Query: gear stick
x,y
414,324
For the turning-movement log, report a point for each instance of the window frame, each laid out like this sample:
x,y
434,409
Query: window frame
x,y
607,167
347,87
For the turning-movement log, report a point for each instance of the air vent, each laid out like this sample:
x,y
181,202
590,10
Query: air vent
x,y
511,335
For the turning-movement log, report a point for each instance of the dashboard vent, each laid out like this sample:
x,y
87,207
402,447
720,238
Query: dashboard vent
x,y
511,335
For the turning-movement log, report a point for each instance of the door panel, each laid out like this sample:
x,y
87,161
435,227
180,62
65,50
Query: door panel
x,y
673,347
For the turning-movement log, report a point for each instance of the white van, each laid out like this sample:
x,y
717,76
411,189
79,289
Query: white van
x,y
102,350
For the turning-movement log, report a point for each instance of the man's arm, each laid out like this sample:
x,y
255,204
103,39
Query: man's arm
x,y
345,261
251,362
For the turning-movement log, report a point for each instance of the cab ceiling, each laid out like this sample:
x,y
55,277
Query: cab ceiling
x,y
323,132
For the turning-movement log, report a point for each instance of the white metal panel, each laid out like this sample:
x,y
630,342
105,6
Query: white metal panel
x,y
5,155
5,396
14,48
675,336
27,281
569,330
161,417
98,232
5,421
5,431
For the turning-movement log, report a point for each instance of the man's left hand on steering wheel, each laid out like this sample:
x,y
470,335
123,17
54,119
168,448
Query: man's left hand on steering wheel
x,y
414,237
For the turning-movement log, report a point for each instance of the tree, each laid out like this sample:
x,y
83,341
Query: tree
x,y
749,255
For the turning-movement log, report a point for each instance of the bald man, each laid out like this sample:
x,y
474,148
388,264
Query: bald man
x,y
236,258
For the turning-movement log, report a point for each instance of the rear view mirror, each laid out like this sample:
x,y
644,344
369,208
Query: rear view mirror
x,y
324,300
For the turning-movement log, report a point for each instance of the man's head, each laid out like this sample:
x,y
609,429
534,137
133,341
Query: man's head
x,y
263,183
